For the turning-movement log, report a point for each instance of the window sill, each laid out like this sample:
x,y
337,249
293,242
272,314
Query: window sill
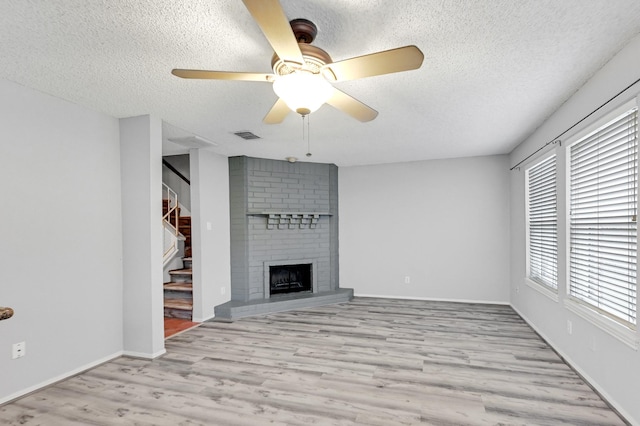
x,y
625,335
545,291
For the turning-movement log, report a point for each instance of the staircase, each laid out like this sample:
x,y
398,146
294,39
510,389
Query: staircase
x,y
178,293
184,227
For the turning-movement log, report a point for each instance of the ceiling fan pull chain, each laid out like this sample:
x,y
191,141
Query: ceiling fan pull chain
x,y
308,137
303,117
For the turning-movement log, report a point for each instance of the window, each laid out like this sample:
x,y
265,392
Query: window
x,y
542,221
603,211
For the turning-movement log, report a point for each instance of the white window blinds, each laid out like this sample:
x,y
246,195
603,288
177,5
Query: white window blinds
x,y
543,225
603,227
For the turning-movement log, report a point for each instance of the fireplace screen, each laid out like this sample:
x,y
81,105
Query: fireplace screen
x,y
290,278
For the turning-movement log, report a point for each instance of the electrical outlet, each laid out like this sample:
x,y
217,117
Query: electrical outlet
x,y
569,327
19,350
407,279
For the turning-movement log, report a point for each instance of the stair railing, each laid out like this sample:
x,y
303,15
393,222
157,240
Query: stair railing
x,y
170,223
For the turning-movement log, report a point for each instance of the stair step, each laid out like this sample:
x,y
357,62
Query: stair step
x,y
180,304
174,286
181,275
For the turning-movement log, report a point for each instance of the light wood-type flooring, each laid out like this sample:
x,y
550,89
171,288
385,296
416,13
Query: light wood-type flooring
x,y
368,362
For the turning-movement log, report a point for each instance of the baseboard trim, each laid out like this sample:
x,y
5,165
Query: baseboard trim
x,y
594,385
210,317
431,299
59,378
144,355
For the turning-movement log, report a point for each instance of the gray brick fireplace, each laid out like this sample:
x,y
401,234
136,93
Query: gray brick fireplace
x,y
282,214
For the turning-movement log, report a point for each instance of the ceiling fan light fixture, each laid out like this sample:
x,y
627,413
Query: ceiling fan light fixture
x,y
303,91
302,73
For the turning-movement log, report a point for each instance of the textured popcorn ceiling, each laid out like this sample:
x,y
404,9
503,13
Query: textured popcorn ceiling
x,y
493,70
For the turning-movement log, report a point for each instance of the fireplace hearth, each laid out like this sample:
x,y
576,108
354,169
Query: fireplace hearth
x,y
290,279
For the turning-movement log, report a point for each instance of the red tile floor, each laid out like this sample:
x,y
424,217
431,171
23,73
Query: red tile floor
x,y
173,326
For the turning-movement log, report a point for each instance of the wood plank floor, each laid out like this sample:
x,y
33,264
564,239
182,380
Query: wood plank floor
x,y
368,362
173,326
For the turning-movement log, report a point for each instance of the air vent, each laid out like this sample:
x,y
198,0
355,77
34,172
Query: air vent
x,y
247,135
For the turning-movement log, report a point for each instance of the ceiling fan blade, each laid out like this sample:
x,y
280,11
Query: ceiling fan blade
x,y
351,106
389,61
271,19
222,75
277,113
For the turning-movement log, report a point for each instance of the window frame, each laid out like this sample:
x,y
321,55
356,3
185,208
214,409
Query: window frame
x,y
542,287
622,330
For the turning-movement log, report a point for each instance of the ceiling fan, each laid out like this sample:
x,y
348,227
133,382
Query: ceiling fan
x,y
302,73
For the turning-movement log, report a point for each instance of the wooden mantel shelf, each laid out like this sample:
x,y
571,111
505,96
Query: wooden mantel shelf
x,y
5,313
291,220
265,213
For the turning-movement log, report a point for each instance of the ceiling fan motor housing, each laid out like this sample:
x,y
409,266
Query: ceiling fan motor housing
x,y
314,59
304,30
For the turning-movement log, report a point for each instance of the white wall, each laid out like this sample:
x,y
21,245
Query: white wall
x,y
141,174
60,245
610,365
443,223
210,224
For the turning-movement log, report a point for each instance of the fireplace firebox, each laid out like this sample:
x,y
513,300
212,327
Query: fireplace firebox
x,y
290,278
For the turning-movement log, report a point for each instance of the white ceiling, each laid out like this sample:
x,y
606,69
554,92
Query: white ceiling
x,y
493,70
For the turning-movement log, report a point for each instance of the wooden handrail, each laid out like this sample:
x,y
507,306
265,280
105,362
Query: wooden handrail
x,y
5,313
